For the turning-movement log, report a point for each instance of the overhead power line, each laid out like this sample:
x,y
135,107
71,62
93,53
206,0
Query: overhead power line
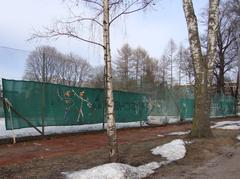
x,y
11,48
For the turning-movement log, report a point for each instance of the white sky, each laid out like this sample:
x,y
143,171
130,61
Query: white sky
x,y
151,30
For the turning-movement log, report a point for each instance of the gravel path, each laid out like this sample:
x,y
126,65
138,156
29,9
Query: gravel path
x,y
226,166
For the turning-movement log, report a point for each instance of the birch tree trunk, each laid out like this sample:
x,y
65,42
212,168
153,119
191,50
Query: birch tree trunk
x,y
203,66
111,128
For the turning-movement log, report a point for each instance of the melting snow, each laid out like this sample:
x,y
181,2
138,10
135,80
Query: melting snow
x,y
233,125
179,133
57,129
115,171
188,142
238,137
175,133
174,150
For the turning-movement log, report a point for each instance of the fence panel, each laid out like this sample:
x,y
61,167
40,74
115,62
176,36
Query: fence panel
x,y
180,102
60,105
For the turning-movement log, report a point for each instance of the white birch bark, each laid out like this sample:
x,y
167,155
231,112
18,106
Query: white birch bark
x,y
212,38
111,126
203,67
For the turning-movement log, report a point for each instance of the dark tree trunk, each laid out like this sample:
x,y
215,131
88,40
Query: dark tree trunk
x,y
201,124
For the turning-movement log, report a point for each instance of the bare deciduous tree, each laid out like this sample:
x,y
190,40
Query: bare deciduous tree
x,y
228,32
98,77
203,65
102,13
46,64
123,67
139,56
186,65
163,70
41,64
149,74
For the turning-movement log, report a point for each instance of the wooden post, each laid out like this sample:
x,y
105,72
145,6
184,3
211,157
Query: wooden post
x,y
43,93
27,121
9,105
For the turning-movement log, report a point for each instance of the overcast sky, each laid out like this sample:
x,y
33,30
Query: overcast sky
x,y
151,30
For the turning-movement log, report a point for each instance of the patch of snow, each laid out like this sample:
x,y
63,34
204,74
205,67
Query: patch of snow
x,y
157,120
175,133
115,171
187,119
59,129
48,130
188,142
160,120
232,125
238,137
173,119
173,151
179,133
130,124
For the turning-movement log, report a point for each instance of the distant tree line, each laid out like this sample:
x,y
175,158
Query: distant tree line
x,y
133,69
46,64
136,70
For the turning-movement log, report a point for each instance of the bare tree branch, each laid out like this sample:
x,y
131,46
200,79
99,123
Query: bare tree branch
x,y
93,2
80,19
52,33
127,10
115,3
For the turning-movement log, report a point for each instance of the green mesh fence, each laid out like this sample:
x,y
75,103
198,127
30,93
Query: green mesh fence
x,y
179,103
186,106
163,103
59,105
222,106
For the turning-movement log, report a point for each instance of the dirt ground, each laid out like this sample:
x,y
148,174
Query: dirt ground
x,y
47,158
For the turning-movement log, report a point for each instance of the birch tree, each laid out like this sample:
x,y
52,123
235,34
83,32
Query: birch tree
x,y
102,13
203,65
228,32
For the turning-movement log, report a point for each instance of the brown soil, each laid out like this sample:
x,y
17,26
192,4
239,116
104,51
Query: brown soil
x,y
47,158
199,155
